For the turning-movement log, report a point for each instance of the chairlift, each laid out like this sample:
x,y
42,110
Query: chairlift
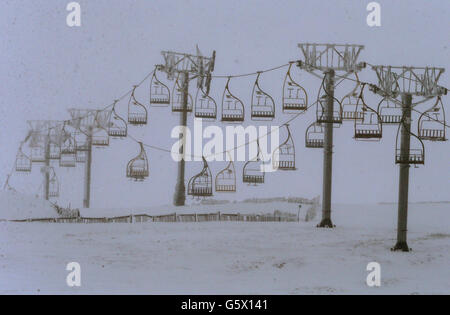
x,y
177,98
100,138
284,156
253,172
53,189
323,116
370,127
137,113
232,107
263,105
315,136
36,139
205,106
54,151
416,153
54,137
350,104
68,152
226,179
38,154
159,92
295,98
389,111
137,168
201,184
23,162
432,123
117,126
100,135
80,156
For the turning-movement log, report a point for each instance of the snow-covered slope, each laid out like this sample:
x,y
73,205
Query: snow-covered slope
x,y
18,206
232,257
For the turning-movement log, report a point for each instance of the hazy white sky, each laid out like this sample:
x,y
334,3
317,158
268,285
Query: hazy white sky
x,y
47,67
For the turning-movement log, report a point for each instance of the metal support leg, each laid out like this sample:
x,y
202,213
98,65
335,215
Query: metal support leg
x,y
328,152
87,171
402,224
47,170
180,188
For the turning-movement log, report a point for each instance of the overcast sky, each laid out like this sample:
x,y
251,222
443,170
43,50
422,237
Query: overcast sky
x,y
47,67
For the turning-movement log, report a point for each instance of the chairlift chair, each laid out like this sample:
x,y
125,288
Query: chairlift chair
x,y
53,191
370,127
416,153
36,140
100,135
314,137
201,184
431,124
389,112
349,111
117,126
54,137
38,154
68,153
81,142
137,113
226,179
323,116
100,138
284,156
80,156
205,106
232,107
54,151
295,98
350,104
177,98
159,92
263,105
253,172
23,162
137,168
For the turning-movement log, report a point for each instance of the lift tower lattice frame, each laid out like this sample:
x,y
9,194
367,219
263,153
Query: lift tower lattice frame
x,y
40,135
86,121
329,59
406,82
188,67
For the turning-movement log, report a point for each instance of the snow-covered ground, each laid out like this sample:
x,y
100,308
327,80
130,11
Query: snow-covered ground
x,y
18,206
232,257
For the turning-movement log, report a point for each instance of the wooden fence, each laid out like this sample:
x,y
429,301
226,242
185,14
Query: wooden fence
x,y
200,217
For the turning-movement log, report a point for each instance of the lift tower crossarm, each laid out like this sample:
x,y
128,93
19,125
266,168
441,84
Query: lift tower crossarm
x,y
339,57
416,81
197,65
